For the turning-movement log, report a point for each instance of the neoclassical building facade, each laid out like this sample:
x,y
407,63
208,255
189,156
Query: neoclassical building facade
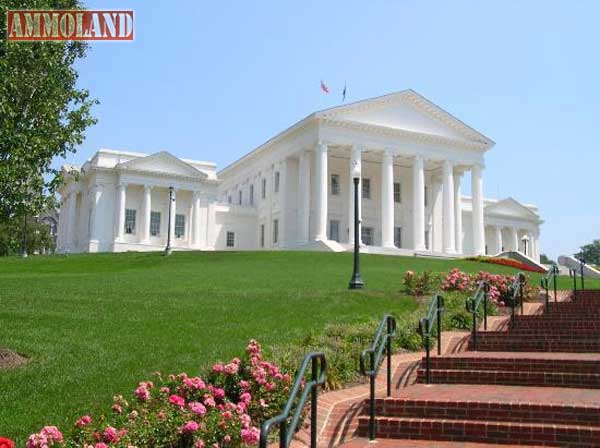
x,y
296,191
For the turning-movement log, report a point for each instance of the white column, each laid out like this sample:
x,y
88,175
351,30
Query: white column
x,y
72,222
387,200
121,195
96,194
354,169
304,197
477,198
458,230
172,211
418,204
536,245
195,215
146,208
515,239
448,215
321,186
499,242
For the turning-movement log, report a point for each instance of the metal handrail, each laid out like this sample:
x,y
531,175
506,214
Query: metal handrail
x,y
381,342
482,294
545,282
287,427
516,289
581,265
573,274
434,313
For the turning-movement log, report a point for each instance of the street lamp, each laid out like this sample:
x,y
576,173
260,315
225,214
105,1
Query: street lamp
x,y
168,248
355,281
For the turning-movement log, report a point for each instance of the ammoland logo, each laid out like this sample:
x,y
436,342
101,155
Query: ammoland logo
x,y
28,25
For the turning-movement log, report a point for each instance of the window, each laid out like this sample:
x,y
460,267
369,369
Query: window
x,y
398,236
252,194
263,189
427,239
335,184
426,193
334,230
130,221
230,239
229,199
155,223
276,187
179,226
262,235
240,197
366,188
275,231
366,234
397,193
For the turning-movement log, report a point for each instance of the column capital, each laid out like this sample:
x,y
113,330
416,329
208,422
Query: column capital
x,y
388,155
148,187
322,146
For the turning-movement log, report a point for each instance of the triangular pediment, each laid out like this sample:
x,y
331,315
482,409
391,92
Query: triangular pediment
x,y
162,163
510,207
408,111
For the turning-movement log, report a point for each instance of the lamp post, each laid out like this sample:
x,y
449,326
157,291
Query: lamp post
x,y
168,249
355,281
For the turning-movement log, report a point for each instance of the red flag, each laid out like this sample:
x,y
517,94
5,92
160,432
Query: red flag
x,y
324,87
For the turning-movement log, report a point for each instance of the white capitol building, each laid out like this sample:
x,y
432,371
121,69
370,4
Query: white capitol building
x,y
295,191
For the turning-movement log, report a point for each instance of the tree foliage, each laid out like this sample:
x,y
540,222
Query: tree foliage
x,y
43,114
29,233
590,253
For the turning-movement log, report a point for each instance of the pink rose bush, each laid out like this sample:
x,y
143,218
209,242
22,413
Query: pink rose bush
x,y
223,409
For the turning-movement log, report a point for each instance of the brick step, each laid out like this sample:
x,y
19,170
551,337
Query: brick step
x,y
556,317
551,324
540,336
412,443
558,332
510,361
521,344
512,378
483,431
471,408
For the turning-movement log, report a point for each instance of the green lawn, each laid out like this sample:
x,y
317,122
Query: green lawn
x,y
94,325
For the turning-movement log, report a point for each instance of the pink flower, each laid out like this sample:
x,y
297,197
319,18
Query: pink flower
x,y
199,444
101,445
142,393
227,415
218,368
245,397
244,384
197,408
245,421
110,435
231,368
209,401
117,409
83,421
190,427
194,383
219,393
176,400
164,390
250,436
47,437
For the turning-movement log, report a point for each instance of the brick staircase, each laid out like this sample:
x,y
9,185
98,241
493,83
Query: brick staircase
x,y
535,384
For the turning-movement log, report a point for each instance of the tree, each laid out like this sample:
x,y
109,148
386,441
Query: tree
x,y
33,233
590,253
43,114
545,260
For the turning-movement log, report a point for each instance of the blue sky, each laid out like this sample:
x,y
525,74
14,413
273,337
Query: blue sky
x,y
213,80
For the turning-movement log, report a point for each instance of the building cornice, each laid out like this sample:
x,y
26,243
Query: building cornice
x,y
416,137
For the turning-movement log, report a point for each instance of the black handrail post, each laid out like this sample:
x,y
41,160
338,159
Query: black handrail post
x,y
486,296
474,325
427,351
440,306
313,405
554,281
282,435
545,286
521,280
372,409
389,357
573,273
581,263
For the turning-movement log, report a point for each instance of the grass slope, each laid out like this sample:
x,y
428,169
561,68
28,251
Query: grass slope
x,y
94,325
